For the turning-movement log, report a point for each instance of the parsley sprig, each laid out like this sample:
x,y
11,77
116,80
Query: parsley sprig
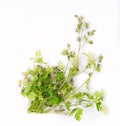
x,y
52,88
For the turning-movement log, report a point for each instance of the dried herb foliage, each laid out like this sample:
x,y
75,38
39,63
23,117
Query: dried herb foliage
x,y
52,88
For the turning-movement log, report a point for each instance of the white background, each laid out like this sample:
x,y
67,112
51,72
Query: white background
x,y
26,26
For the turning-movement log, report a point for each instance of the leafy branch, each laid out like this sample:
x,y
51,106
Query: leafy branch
x,y
52,89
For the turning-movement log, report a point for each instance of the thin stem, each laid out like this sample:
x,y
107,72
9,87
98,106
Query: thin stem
x,y
66,67
83,71
82,100
82,45
62,83
86,82
64,73
79,49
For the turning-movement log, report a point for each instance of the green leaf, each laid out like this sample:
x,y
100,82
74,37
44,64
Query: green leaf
x,y
67,104
98,67
90,41
60,76
100,58
61,65
81,19
76,16
37,53
88,105
98,106
78,114
91,33
78,39
40,97
86,25
26,90
35,78
78,28
99,94
38,60
65,52
78,95
73,110
31,96
68,45
56,101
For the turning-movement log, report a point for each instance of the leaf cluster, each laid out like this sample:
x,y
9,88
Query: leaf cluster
x,y
52,89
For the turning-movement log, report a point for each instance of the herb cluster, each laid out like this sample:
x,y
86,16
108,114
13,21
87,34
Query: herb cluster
x,y
52,89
